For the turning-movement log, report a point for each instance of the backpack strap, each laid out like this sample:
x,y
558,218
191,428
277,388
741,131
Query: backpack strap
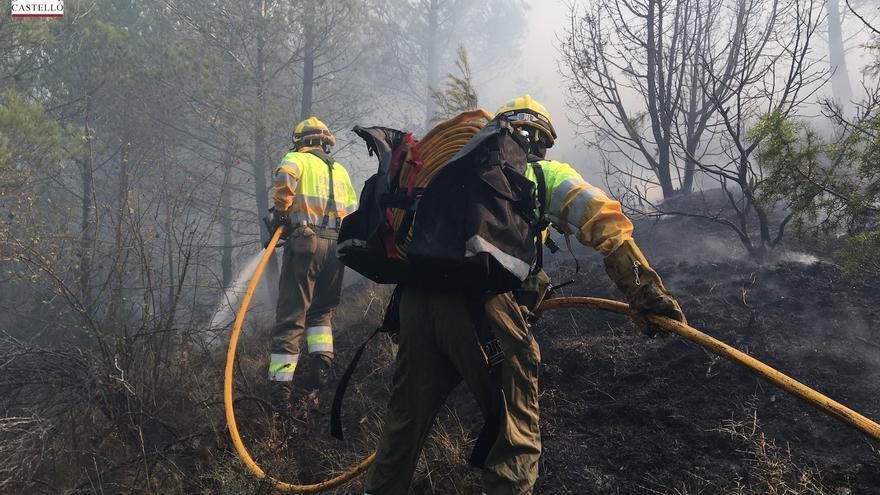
x,y
541,181
577,265
390,324
336,408
331,199
542,224
493,353
417,165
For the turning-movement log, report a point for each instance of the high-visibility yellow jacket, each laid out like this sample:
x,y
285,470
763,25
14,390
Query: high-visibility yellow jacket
x,y
576,207
302,189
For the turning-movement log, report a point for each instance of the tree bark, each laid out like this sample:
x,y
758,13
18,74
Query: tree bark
x,y
226,266
170,248
116,277
226,223
664,172
655,95
87,226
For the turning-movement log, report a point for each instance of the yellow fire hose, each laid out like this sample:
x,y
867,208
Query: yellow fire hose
x,y
781,380
775,377
230,411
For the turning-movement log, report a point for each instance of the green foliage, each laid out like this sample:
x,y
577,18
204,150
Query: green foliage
x,y
30,160
832,189
459,94
29,141
873,47
789,155
21,44
861,253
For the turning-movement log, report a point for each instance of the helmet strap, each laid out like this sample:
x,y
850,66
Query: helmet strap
x,y
539,150
537,146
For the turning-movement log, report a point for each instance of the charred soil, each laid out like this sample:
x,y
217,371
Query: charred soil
x,y
625,414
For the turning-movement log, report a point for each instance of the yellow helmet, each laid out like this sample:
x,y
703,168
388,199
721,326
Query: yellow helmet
x,y
312,132
526,111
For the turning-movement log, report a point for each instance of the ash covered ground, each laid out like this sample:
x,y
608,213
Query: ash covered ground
x,y
624,414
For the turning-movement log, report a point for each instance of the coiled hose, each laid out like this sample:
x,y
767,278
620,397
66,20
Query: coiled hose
x,y
425,158
826,404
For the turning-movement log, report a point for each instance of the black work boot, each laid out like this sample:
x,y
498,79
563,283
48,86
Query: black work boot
x,y
320,367
279,396
316,376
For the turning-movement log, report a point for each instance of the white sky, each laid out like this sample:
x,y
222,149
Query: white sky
x,y
537,73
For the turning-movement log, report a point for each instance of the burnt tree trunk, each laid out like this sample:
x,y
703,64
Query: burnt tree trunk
x,y
87,212
226,222
655,94
226,199
116,277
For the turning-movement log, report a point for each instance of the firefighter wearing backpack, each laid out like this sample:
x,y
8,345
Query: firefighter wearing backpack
x,y
312,194
440,346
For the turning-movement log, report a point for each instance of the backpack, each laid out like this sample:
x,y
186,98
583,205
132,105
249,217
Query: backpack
x,y
453,209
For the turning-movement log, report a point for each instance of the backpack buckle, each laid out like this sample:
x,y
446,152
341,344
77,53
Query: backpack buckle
x,y
551,245
494,352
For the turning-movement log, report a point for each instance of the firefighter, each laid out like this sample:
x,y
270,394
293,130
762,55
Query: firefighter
x,y
440,344
312,194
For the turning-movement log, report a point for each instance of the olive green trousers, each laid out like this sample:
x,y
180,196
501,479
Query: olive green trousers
x,y
308,290
438,349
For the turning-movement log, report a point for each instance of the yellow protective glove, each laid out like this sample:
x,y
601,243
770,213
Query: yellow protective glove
x,y
641,286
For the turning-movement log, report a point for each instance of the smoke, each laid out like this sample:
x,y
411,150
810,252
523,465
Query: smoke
x,y
534,70
796,257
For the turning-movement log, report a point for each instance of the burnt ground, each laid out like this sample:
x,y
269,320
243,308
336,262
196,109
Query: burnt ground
x,y
623,414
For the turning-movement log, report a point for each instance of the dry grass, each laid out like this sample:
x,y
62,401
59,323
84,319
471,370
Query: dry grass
x,y
770,469
443,465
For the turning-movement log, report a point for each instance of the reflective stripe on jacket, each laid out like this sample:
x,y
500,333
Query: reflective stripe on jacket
x,y
579,208
302,188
